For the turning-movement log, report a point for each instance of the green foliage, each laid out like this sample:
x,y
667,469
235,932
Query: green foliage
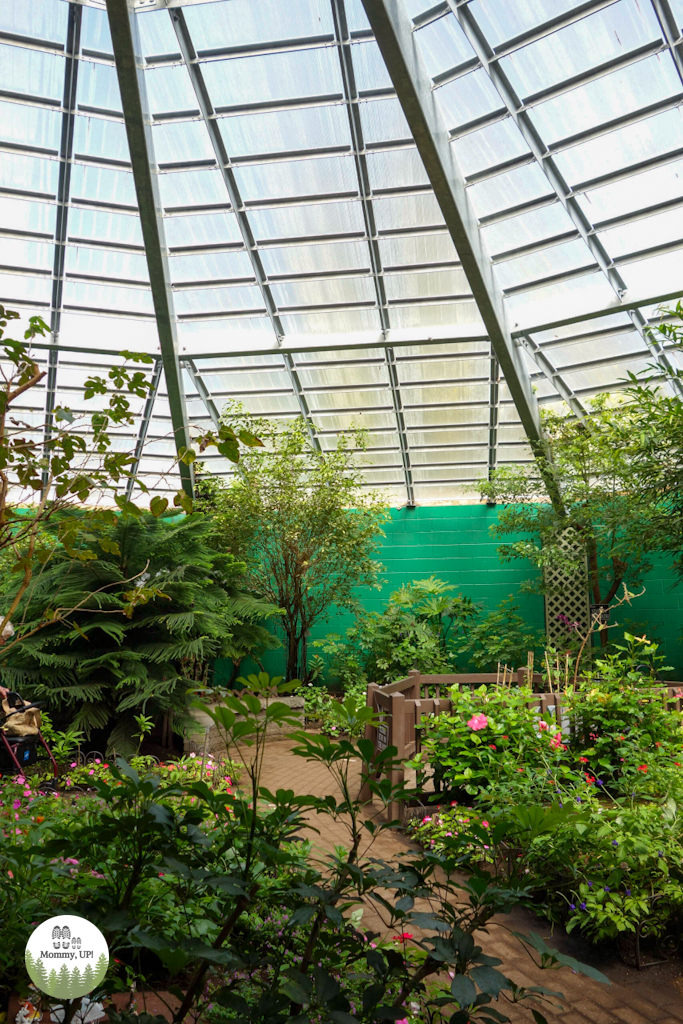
x,y
302,522
204,894
321,707
424,626
604,512
502,637
113,662
588,816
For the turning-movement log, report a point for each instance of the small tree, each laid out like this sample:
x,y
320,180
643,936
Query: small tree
x,y
603,513
302,522
655,440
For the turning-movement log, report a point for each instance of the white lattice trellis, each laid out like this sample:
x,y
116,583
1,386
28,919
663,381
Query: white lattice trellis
x,y
566,594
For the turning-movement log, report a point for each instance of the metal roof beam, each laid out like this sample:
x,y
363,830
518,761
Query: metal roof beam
x,y
129,69
553,375
394,37
203,392
144,426
73,43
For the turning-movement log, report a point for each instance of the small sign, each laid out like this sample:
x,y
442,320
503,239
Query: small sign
x,y
66,956
382,736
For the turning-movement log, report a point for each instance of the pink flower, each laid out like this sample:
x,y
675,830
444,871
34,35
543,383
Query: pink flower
x,y
542,725
16,805
72,765
478,722
485,824
556,742
96,874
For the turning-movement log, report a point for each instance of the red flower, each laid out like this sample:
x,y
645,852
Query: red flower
x,y
583,760
590,779
492,746
402,937
658,744
642,767
505,737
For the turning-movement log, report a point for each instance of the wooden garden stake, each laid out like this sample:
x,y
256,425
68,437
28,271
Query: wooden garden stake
x,y
566,670
498,674
206,743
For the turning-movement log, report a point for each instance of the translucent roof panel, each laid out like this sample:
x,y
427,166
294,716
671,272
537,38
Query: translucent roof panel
x,y
303,255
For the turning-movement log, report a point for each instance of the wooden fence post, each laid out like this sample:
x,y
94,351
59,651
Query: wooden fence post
x,y
370,734
397,738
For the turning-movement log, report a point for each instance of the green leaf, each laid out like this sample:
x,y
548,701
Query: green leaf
x,y
326,988
158,505
489,980
463,991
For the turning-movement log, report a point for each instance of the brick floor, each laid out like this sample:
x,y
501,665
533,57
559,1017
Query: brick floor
x,y
653,995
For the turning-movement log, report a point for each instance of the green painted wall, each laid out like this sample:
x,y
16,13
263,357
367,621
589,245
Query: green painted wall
x,y
454,543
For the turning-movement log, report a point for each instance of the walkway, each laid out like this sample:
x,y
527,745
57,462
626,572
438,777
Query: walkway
x,y
653,995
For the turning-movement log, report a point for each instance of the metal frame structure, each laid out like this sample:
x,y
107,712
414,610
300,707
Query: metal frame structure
x,y
391,304
129,69
71,51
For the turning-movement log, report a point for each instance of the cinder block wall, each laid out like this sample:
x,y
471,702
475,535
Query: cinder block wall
x,y
455,544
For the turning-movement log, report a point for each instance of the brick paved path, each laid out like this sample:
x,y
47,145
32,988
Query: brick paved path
x,y
653,995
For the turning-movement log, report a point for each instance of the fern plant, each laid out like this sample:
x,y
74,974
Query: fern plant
x,y
104,667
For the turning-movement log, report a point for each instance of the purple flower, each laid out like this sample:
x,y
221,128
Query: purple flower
x,y
660,853
582,906
607,888
572,906
628,892
599,782
578,799
615,842
590,885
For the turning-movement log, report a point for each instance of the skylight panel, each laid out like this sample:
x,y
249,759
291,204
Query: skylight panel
x,y
535,266
28,173
210,266
428,315
636,192
156,33
18,252
273,76
286,131
383,121
184,189
443,45
27,217
32,126
345,290
346,321
98,86
110,296
31,72
100,138
95,34
305,221
103,226
647,139
398,168
241,22
106,263
321,176
25,289
42,19
417,249
407,212
582,46
527,228
489,146
659,229
232,300
501,20
425,285
201,229
187,141
655,275
369,67
316,259
617,94
169,89
110,332
508,190
103,184
468,98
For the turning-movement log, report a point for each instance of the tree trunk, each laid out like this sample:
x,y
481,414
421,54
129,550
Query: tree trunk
x,y
292,652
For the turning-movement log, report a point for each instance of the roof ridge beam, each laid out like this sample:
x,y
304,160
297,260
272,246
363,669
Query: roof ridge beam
x,y
129,70
392,29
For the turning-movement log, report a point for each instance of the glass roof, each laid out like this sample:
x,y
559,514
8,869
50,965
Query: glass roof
x,y
308,262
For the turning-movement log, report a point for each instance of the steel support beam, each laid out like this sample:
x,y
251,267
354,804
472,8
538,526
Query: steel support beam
x,y
203,392
553,375
129,69
343,39
208,112
671,31
66,145
144,425
546,162
392,29
494,405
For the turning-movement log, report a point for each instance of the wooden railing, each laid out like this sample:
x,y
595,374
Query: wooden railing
x,y
401,706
